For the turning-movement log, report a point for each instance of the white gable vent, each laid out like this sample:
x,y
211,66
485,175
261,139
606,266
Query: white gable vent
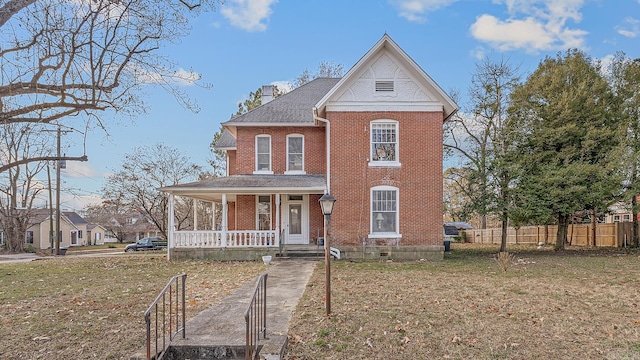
x,y
384,85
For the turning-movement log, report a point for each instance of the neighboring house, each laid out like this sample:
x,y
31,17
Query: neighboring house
x,y
372,139
95,234
129,227
73,229
619,212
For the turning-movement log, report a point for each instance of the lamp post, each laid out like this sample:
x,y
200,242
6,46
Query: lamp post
x,y
326,202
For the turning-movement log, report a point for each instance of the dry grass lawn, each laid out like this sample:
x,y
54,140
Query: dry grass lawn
x,y
548,305
92,308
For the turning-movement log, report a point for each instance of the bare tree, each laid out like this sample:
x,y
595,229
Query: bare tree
x,y
19,187
326,69
64,60
145,170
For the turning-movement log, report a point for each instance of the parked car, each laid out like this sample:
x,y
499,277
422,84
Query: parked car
x,y
150,243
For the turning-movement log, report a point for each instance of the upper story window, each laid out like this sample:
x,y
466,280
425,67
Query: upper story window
x,y
263,154
295,154
384,212
384,143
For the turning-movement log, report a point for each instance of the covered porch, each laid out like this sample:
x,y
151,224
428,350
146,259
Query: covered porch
x,y
249,211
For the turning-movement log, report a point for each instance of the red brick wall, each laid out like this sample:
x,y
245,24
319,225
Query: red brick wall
x,y
231,162
419,178
246,212
314,145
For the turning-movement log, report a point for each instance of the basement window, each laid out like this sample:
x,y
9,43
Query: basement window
x,y
384,86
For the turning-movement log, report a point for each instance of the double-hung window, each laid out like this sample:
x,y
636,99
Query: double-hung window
x,y
263,210
384,143
384,212
295,154
263,154
28,237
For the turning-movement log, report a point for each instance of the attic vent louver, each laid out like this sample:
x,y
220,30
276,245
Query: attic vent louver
x,y
384,85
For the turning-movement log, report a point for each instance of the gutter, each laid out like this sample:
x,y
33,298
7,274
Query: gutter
x,y
328,146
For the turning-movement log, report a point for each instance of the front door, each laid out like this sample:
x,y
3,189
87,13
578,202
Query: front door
x,y
295,219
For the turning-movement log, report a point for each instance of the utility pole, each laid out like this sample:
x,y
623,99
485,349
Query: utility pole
x,y
57,235
59,160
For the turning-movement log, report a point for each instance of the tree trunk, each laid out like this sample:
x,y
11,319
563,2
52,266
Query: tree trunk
x,y
503,242
593,227
634,211
563,225
546,234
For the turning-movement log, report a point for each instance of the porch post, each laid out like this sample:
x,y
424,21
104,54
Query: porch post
x,y
277,220
195,214
171,226
213,215
225,219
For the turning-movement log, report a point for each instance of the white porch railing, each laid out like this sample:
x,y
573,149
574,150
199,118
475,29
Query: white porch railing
x,y
217,239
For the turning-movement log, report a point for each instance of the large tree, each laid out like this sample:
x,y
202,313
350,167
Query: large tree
x,y
478,137
66,60
566,134
134,185
624,77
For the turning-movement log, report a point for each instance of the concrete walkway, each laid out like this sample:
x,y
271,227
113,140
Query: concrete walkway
x,y
219,331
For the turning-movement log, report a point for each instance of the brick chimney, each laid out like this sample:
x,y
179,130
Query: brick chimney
x,y
267,93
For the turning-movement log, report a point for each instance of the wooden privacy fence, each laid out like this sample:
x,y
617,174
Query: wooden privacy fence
x,y
612,235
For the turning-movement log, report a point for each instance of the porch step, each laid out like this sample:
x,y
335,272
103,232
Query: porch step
x,y
302,252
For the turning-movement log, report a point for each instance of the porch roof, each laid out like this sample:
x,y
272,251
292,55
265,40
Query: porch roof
x,y
212,189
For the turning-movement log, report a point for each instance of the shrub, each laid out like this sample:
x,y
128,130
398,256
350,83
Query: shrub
x,y
505,260
30,249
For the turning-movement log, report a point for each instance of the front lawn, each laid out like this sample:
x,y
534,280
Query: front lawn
x,y
548,305
93,308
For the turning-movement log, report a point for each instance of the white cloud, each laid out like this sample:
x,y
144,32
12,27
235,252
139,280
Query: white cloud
x,y
248,14
533,25
185,78
180,77
283,86
414,10
630,28
80,169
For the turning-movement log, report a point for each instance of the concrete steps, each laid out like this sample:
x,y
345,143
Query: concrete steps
x,y
304,252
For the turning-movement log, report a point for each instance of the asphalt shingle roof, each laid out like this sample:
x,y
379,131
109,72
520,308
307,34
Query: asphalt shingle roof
x,y
254,181
294,107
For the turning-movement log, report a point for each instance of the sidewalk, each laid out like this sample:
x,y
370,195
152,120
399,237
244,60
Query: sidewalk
x,y
220,329
16,258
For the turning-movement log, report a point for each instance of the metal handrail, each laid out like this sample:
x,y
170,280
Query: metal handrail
x,y
176,316
256,318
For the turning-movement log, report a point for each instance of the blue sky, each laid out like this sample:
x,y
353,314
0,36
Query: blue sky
x,y
249,43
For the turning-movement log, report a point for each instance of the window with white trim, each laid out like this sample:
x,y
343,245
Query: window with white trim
x,y
263,211
384,211
626,217
295,153
616,218
384,143
263,154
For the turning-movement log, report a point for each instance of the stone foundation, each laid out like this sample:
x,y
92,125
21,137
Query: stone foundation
x,y
224,254
399,253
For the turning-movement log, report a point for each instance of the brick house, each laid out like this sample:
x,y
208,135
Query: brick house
x,y
373,139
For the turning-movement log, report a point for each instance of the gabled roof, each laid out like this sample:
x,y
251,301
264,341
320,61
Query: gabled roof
x,y
386,44
292,108
74,218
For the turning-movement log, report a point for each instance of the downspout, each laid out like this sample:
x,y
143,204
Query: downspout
x,y
328,145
